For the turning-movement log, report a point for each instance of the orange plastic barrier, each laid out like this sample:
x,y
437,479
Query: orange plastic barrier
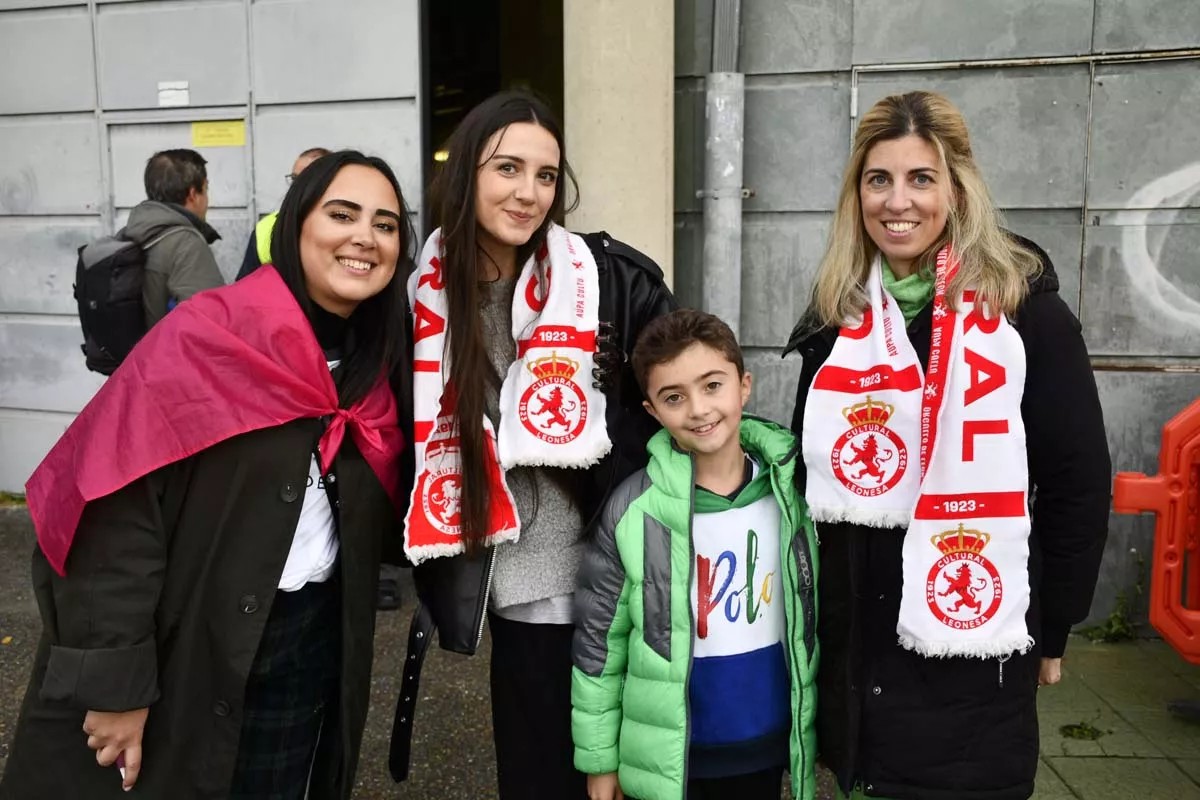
x,y
1174,496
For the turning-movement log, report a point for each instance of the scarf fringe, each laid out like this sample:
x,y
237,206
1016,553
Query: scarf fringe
x,y
993,649
874,519
583,461
418,555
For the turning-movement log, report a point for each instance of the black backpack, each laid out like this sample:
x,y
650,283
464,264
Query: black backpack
x,y
108,288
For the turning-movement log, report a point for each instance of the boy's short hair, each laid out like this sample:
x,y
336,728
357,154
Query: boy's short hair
x,y
669,335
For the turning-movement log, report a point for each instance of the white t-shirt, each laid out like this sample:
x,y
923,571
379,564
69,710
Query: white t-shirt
x,y
314,546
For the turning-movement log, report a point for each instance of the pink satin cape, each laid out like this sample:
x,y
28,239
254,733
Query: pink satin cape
x,y
228,361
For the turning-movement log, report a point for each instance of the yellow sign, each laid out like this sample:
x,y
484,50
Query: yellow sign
x,y
225,133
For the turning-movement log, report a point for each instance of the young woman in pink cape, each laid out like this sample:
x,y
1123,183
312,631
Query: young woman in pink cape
x,y
210,528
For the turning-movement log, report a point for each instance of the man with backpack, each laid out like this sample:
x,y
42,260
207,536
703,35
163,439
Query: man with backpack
x,y
126,283
180,262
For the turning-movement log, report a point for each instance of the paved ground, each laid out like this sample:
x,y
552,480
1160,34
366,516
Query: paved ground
x,y
1117,693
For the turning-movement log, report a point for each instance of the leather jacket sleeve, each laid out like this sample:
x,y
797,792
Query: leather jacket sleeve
x,y
632,293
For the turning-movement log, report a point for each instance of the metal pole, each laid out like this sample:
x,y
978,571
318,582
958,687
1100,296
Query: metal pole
x,y
724,115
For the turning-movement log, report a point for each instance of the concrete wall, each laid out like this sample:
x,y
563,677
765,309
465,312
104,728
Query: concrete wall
x,y
80,113
617,111
1098,160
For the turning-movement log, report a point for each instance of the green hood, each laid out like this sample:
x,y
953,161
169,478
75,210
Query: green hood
x,y
670,467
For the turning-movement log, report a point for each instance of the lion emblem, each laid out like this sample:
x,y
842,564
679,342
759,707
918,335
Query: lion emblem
x,y
446,499
964,585
557,406
869,459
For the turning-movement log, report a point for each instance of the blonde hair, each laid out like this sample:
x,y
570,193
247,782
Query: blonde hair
x,y
994,264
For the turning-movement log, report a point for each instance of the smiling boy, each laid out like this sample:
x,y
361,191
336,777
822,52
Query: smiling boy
x,y
695,646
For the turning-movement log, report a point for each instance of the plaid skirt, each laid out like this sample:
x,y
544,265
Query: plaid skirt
x,y
295,675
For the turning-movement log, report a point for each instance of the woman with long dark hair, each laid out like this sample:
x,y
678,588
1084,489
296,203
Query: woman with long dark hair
x,y
955,462
517,442
210,528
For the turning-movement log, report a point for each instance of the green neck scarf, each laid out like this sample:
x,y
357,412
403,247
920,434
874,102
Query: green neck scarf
x,y
708,502
912,293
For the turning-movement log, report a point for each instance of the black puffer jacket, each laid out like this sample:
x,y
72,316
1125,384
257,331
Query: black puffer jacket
x,y
453,591
913,728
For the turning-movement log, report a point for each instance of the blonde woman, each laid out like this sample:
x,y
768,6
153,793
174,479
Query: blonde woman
x,y
955,461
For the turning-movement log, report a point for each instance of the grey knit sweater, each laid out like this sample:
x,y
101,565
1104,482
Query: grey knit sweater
x,y
535,576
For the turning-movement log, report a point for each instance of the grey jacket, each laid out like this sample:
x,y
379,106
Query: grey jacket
x,y
181,263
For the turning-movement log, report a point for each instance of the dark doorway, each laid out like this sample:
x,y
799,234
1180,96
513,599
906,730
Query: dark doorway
x,y
474,48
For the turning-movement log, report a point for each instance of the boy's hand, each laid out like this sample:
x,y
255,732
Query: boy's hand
x,y
112,733
604,787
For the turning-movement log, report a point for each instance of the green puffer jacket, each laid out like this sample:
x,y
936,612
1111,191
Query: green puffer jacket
x,y
635,623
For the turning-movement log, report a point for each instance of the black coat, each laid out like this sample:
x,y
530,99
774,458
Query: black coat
x,y
914,728
168,588
453,592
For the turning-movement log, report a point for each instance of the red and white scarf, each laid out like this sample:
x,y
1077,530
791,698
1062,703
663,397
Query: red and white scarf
x,y
942,454
550,414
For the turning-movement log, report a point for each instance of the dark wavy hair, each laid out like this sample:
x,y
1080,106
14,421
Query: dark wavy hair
x,y
452,205
379,325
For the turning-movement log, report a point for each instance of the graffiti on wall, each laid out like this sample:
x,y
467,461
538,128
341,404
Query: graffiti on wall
x,y
1142,258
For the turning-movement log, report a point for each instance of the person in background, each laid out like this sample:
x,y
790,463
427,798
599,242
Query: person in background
x,y
955,463
170,226
258,249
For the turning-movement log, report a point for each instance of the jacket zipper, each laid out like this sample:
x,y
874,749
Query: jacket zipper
x,y
804,559
793,668
487,591
687,681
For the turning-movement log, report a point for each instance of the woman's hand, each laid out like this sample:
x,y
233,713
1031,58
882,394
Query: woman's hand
x,y
1051,672
604,787
112,733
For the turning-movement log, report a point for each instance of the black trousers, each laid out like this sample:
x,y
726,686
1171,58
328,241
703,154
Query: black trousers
x,y
531,711
765,785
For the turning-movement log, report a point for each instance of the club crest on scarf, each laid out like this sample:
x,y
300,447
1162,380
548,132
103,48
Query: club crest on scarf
x,y
964,589
434,521
441,492
553,408
870,458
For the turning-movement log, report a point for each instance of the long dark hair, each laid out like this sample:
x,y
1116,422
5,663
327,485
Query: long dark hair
x,y
379,325
452,204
